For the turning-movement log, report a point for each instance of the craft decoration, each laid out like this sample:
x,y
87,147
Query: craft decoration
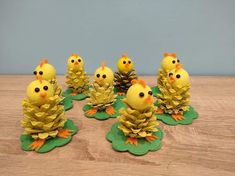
x,y
136,130
77,79
169,62
44,118
48,72
125,74
174,96
101,96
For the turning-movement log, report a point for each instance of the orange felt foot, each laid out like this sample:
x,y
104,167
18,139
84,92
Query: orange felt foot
x,y
121,93
110,110
159,111
92,111
132,141
150,138
73,94
177,117
37,144
64,133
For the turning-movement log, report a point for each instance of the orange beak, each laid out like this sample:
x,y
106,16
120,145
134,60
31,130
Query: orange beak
x,y
172,79
149,99
76,63
178,66
43,94
127,65
100,79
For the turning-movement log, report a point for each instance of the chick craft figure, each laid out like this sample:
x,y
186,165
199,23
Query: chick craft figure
x,y
101,94
174,97
48,72
125,74
137,122
169,62
45,125
77,79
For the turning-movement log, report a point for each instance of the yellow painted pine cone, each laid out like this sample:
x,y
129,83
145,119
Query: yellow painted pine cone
x,y
77,79
43,122
101,96
123,80
174,100
58,89
137,124
162,77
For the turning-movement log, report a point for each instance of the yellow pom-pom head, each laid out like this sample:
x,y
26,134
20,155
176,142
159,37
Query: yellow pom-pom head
x,y
125,64
75,62
170,62
39,91
45,70
103,75
178,77
139,95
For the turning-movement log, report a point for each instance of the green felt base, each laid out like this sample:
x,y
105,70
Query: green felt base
x,y
51,143
68,103
117,138
118,96
189,116
155,91
102,115
78,97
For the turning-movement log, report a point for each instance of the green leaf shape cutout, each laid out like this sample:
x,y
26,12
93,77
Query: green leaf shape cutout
x,y
155,91
78,97
51,143
102,115
68,103
189,116
118,140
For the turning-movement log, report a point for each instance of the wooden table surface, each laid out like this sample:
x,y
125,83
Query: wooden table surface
x,y
207,147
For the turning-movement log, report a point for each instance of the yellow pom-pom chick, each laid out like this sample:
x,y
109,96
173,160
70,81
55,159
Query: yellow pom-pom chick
x,y
125,64
139,95
179,78
45,70
170,62
39,91
75,62
104,75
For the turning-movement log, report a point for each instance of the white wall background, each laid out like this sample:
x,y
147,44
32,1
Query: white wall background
x,y
201,32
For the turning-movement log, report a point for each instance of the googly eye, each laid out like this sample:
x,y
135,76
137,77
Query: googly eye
x,y
124,62
178,61
150,93
72,61
40,73
129,62
98,75
173,62
141,94
45,87
178,76
36,89
104,76
79,60
170,74
35,72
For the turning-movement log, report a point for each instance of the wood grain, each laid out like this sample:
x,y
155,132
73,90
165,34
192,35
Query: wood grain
x,y
207,147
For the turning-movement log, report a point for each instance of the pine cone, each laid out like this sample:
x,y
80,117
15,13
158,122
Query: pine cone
x,y
101,96
162,78
78,80
137,124
174,100
123,80
58,89
43,122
